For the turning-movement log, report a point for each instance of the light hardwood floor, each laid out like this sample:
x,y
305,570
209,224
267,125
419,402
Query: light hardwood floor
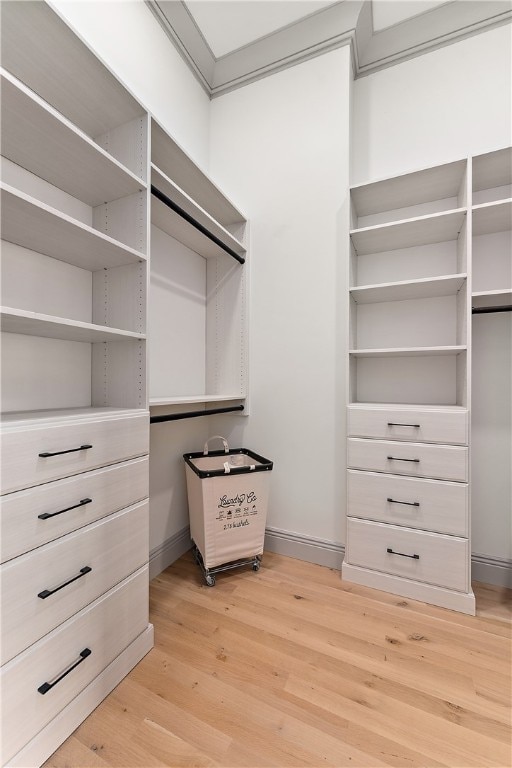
x,y
291,667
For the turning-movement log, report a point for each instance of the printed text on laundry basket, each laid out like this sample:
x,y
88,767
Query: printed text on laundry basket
x,y
238,499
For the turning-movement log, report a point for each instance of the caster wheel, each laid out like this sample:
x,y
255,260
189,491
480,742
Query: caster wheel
x,y
256,566
210,581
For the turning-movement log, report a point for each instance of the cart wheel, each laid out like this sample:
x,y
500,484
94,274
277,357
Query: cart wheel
x,y
210,580
256,566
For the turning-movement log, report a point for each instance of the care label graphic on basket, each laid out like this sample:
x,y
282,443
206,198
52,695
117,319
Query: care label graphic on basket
x,y
234,511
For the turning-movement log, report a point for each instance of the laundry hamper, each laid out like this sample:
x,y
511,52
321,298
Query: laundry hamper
x,y
227,499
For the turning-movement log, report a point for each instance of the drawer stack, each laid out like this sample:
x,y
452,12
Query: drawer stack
x,y
74,569
407,508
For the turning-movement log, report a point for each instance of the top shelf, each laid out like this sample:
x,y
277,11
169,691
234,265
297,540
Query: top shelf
x,y
55,63
492,170
36,137
408,190
174,162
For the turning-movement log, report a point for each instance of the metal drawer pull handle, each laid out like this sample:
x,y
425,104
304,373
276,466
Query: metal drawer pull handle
x,y
397,424
46,454
47,592
408,503
47,515
395,458
45,687
413,557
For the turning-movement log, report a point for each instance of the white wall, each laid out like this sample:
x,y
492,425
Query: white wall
x,y
280,148
128,38
447,104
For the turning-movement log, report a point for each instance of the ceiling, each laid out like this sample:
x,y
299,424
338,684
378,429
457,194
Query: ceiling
x,y
227,25
231,43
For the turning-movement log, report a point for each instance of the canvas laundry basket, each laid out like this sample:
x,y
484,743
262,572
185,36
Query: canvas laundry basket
x,y
227,498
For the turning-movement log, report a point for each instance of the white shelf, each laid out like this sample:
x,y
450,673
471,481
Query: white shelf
x,y
492,170
492,298
47,326
173,161
56,64
12,420
175,225
409,189
36,137
408,351
422,230
492,217
406,406
34,225
155,402
425,288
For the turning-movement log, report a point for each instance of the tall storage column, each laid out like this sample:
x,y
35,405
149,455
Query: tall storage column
x,y
407,529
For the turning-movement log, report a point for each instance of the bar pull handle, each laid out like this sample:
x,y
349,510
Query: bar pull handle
x,y
396,458
47,515
47,454
45,687
391,552
47,592
398,424
408,503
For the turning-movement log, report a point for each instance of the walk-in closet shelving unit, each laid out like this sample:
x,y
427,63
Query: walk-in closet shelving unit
x,y
409,331
199,287
75,420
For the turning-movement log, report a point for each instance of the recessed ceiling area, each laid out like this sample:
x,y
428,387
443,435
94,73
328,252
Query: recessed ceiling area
x,y
230,43
227,25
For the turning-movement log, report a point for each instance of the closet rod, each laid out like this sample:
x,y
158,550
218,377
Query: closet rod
x,y
488,310
194,414
171,204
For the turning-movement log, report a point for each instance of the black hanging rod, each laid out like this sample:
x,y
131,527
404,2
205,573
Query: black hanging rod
x,y
206,232
489,310
194,414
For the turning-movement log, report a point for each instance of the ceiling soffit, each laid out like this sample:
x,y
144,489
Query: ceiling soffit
x,y
344,23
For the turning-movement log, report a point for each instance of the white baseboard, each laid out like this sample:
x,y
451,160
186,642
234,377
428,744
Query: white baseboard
x,y
490,570
167,553
318,551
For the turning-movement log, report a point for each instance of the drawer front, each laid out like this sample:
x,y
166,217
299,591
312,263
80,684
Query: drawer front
x,y
443,462
440,560
110,440
41,514
105,628
419,426
111,548
432,505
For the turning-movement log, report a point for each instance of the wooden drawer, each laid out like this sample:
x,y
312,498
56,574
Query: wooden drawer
x,y
41,514
111,439
444,462
440,560
432,505
416,425
105,628
112,548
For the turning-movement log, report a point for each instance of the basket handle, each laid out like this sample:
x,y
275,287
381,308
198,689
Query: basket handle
x,y
219,437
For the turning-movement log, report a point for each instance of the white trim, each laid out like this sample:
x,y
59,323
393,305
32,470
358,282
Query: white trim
x,y
169,551
319,551
325,30
491,570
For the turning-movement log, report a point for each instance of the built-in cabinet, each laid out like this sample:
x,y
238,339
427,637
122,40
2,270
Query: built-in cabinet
x,y
84,171
425,248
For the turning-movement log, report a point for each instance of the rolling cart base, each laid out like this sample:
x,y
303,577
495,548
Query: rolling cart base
x,y
209,573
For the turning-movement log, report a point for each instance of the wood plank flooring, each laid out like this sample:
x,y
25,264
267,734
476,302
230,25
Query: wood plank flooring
x,y
291,667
